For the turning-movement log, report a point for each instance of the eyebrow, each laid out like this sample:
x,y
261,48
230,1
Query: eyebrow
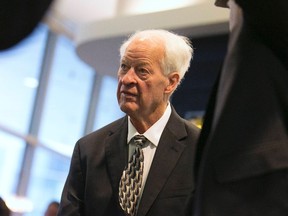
x,y
138,64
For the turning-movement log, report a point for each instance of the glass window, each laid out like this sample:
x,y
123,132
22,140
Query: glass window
x,y
107,106
11,156
67,101
63,119
47,180
19,71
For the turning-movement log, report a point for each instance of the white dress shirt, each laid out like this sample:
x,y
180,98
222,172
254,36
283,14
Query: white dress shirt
x,y
153,135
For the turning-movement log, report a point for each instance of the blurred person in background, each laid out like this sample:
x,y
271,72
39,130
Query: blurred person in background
x,y
19,18
242,155
52,209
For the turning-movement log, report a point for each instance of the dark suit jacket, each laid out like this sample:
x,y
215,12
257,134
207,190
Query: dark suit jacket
x,y
98,161
244,145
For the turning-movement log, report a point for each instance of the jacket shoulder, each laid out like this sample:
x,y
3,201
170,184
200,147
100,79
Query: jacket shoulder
x,y
105,131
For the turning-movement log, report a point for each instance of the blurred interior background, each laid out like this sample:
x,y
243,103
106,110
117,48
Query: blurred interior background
x,y
59,84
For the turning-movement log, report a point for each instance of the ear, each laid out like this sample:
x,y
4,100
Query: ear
x,y
173,79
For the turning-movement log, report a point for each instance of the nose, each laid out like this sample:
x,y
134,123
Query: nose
x,y
129,77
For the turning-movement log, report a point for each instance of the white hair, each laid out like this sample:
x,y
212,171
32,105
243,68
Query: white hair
x,y
178,49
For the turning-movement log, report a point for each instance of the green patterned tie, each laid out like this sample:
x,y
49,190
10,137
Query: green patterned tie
x,y
131,180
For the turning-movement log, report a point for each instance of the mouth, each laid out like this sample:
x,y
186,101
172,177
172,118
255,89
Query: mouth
x,y
128,94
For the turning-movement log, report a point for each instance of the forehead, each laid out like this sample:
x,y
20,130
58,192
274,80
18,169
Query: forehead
x,y
144,48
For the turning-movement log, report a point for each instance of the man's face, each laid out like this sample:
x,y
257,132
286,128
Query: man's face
x,y
142,86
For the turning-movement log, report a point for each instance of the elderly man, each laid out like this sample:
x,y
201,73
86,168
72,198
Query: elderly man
x,y
159,177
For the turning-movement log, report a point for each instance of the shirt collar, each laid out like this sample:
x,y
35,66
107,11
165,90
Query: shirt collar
x,y
154,133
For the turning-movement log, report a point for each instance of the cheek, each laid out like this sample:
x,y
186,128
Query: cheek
x,y
152,92
118,90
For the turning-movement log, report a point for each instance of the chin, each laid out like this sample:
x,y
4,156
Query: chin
x,y
127,108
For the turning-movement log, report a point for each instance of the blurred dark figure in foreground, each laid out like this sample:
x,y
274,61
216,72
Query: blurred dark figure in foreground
x,y
52,209
18,18
4,210
243,149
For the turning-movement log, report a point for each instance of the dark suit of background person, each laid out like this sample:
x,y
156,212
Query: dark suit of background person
x,y
18,18
100,157
244,145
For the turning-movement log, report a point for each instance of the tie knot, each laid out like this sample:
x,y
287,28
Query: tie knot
x,y
139,140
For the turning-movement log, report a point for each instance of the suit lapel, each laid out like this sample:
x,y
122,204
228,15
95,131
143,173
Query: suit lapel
x,y
167,154
117,153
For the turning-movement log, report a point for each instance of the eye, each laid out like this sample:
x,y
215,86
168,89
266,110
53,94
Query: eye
x,y
142,73
124,67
